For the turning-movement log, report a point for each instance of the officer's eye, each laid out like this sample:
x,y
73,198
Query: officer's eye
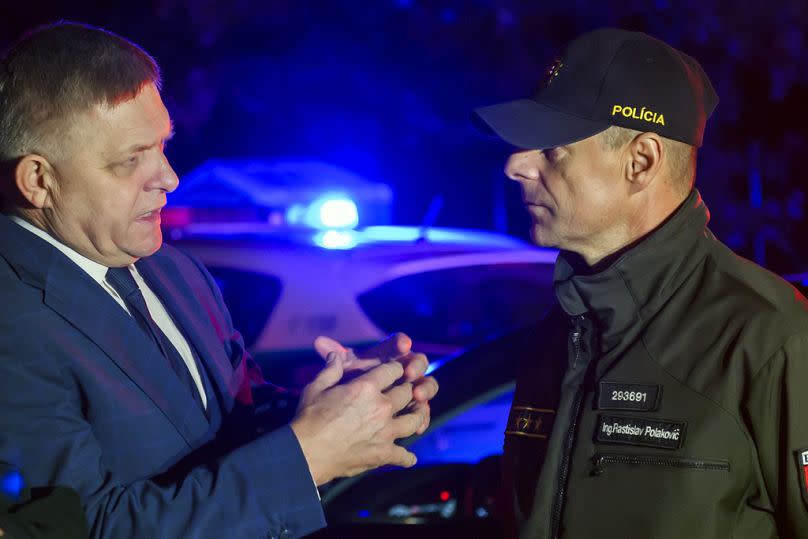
x,y
551,154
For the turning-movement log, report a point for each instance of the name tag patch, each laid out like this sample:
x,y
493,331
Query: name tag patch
x,y
629,430
636,397
802,470
530,422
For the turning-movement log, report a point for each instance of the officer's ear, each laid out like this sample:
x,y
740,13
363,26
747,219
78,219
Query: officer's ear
x,y
644,160
35,180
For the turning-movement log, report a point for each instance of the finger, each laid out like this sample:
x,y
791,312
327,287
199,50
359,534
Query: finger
x,y
415,365
384,375
427,419
425,389
352,363
400,396
401,457
408,424
328,377
388,349
324,345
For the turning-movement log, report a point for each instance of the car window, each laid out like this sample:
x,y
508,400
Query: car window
x,y
461,306
250,297
470,436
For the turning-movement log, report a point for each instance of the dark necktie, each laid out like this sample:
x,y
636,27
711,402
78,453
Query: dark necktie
x,y
124,284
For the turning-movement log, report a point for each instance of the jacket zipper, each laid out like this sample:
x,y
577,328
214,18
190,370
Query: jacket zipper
x,y
563,472
601,460
576,339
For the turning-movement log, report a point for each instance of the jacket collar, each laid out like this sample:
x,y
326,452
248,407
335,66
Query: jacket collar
x,y
82,302
623,296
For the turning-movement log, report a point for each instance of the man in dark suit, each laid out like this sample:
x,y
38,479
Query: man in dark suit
x,y
121,374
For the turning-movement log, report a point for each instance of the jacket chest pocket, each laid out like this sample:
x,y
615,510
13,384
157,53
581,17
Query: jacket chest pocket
x,y
602,462
652,496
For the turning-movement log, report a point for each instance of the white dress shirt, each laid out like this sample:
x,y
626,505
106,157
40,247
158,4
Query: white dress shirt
x,y
98,272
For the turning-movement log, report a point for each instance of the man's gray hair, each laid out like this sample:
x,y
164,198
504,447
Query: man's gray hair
x,y
57,71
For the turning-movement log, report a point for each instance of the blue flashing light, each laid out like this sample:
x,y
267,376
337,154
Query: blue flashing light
x,y
11,484
338,213
336,239
364,513
330,211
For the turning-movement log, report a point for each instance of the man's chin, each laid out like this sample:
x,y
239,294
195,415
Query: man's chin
x,y
541,237
147,247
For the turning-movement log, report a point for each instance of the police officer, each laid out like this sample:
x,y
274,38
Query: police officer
x,y
661,396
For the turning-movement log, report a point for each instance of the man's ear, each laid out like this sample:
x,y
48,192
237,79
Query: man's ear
x,y
644,163
35,180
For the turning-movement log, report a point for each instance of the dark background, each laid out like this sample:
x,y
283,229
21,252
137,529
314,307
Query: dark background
x,y
384,88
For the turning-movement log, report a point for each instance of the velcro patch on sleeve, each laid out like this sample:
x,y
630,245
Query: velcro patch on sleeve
x,y
623,396
631,430
802,472
530,422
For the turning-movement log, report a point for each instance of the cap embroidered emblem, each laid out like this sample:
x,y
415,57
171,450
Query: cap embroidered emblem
x,y
552,71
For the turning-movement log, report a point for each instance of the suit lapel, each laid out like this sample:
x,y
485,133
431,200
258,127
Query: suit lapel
x,y
84,304
179,300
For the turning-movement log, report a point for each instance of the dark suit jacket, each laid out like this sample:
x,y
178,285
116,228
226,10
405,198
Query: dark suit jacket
x,y
88,401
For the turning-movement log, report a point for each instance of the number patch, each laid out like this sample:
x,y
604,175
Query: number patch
x,y
633,396
621,396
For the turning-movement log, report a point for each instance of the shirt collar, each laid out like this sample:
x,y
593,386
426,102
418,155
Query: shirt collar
x,y
95,270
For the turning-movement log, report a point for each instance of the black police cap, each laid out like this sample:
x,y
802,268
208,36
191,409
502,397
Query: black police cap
x,y
603,78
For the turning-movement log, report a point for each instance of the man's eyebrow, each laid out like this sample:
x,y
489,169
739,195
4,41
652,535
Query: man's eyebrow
x,y
141,147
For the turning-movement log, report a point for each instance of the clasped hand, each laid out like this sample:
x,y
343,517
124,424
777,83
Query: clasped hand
x,y
350,427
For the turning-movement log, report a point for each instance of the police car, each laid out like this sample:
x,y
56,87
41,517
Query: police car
x,y
300,265
446,288
295,266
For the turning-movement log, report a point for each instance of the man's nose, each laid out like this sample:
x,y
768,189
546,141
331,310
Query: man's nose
x,y
168,178
522,166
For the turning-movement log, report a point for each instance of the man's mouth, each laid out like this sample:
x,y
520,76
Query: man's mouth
x,y
152,215
537,209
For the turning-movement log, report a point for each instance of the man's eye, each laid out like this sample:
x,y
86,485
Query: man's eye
x,y
133,160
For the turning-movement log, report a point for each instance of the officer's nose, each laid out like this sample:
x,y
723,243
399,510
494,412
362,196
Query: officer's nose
x,y
523,165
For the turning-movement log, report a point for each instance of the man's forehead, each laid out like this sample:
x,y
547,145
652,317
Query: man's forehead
x,y
139,121
146,109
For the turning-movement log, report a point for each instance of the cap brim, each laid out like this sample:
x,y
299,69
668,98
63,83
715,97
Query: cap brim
x,y
528,124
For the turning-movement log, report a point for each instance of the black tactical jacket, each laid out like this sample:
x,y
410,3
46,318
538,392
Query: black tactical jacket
x,y
663,398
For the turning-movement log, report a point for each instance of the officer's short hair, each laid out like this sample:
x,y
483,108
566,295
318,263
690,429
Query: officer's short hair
x,y
681,157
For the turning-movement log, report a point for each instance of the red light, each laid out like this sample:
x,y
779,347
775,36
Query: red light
x,y
445,495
